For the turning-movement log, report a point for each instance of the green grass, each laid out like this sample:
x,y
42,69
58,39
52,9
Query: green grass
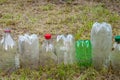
x,y
62,18
3,1
47,7
59,72
42,17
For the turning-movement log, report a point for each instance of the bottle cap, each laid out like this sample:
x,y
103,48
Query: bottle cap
x,y
47,36
7,30
117,38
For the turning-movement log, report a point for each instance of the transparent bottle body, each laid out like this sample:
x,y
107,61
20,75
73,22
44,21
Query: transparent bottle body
x,y
7,52
29,51
60,49
70,50
47,55
101,39
65,49
115,56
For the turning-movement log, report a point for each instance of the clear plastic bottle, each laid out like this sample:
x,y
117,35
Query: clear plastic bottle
x,y
29,51
69,43
115,56
101,39
8,51
65,49
60,49
48,56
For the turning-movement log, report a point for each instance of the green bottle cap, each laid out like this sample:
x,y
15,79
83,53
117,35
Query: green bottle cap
x,y
117,38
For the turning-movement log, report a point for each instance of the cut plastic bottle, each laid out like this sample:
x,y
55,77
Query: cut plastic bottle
x,y
84,53
115,56
8,51
65,49
29,51
60,49
48,56
101,39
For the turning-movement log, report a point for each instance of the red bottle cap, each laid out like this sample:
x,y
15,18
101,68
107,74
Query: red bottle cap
x,y
47,36
7,30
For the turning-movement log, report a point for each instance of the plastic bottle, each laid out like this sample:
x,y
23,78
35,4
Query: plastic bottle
x,y
101,39
70,46
29,51
115,56
8,51
84,53
60,49
48,56
65,49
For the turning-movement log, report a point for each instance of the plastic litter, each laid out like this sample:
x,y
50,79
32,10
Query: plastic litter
x,y
8,51
48,56
84,53
29,51
115,56
65,49
101,39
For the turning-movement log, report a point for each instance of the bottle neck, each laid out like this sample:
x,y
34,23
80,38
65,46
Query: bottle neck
x,y
118,42
48,41
115,44
7,33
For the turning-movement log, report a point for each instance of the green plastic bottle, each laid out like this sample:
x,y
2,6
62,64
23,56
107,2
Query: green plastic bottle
x,y
84,53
